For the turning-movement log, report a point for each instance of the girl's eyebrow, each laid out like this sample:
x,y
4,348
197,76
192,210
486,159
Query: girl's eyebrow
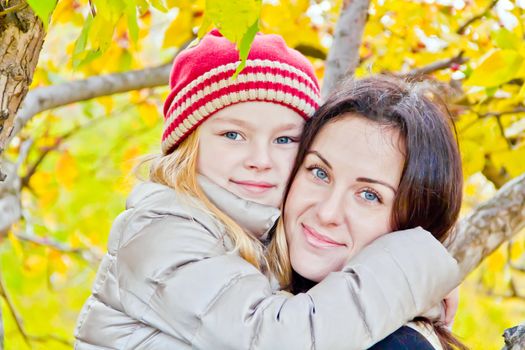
x,y
235,121
373,181
320,157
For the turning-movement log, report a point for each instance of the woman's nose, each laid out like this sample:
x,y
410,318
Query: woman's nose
x,y
330,210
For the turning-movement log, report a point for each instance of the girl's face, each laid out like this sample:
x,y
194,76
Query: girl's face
x,y
249,149
342,196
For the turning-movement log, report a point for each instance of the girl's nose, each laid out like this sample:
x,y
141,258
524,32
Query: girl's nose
x,y
259,158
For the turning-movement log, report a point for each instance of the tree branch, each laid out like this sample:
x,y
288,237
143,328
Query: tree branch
x,y
514,338
499,114
438,65
49,97
91,255
19,322
463,28
489,225
343,56
12,310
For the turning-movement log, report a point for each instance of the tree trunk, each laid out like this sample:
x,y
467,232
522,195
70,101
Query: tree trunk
x,y
343,56
21,38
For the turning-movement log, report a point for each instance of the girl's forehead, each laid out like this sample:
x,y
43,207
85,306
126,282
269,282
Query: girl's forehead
x,y
258,115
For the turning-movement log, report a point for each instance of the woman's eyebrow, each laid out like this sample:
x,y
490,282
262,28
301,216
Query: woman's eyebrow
x,y
373,181
290,126
320,157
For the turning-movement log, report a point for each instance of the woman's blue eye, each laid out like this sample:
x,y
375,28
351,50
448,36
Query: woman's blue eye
x,y
320,173
369,196
232,135
283,140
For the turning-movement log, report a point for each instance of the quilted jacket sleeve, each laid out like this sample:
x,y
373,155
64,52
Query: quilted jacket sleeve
x,y
176,276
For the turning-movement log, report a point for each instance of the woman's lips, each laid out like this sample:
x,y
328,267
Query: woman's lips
x,y
318,240
255,187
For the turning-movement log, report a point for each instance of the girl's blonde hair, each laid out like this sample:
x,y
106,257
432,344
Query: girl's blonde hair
x,y
278,258
178,170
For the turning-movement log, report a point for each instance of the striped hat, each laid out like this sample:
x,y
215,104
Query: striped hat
x,y
201,82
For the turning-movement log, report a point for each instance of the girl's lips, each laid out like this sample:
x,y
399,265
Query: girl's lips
x,y
318,240
256,187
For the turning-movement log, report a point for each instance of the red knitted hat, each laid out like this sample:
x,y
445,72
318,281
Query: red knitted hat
x,y
201,82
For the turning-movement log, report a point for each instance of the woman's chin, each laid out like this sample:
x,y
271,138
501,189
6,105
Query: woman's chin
x,y
306,271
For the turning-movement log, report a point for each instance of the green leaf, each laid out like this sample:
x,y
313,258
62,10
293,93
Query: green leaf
x,y
496,68
506,39
233,18
205,26
159,5
244,46
80,44
133,27
43,9
237,20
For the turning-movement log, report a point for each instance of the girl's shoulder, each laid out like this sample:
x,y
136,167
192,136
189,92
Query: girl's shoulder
x,y
151,202
160,200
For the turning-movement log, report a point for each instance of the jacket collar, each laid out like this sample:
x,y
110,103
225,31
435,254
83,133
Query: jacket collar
x,y
255,218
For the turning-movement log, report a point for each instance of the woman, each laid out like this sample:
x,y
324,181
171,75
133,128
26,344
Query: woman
x,y
380,155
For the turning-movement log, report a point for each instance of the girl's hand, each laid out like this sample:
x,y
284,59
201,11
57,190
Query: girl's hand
x,y
450,304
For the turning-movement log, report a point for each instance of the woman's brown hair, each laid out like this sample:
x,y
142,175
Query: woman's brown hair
x,y
430,190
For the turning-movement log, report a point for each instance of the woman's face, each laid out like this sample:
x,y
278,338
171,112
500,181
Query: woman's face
x,y
342,196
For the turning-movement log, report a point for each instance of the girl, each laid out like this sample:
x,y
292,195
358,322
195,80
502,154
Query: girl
x,y
185,267
378,156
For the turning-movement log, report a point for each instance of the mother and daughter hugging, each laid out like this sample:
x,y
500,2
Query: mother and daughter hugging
x,y
270,222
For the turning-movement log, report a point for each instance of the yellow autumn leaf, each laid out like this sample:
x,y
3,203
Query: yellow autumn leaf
x,y
496,68
35,264
511,160
473,157
180,30
518,248
66,170
107,102
16,245
149,113
43,183
129,159
58,262
66,12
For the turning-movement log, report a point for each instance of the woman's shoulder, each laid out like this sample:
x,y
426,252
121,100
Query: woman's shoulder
x,y
413,335
426,330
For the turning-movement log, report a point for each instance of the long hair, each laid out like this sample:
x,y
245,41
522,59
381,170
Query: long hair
x,y
430,189
178,170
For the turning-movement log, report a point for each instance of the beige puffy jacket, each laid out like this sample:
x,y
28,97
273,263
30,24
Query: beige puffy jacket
x,y
170,280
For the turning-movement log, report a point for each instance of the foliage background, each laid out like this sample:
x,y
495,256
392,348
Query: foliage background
x,y
77,160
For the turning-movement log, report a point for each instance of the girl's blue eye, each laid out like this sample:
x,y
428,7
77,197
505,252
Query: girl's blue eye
x,y
283,140
369,196
320,174
232,135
